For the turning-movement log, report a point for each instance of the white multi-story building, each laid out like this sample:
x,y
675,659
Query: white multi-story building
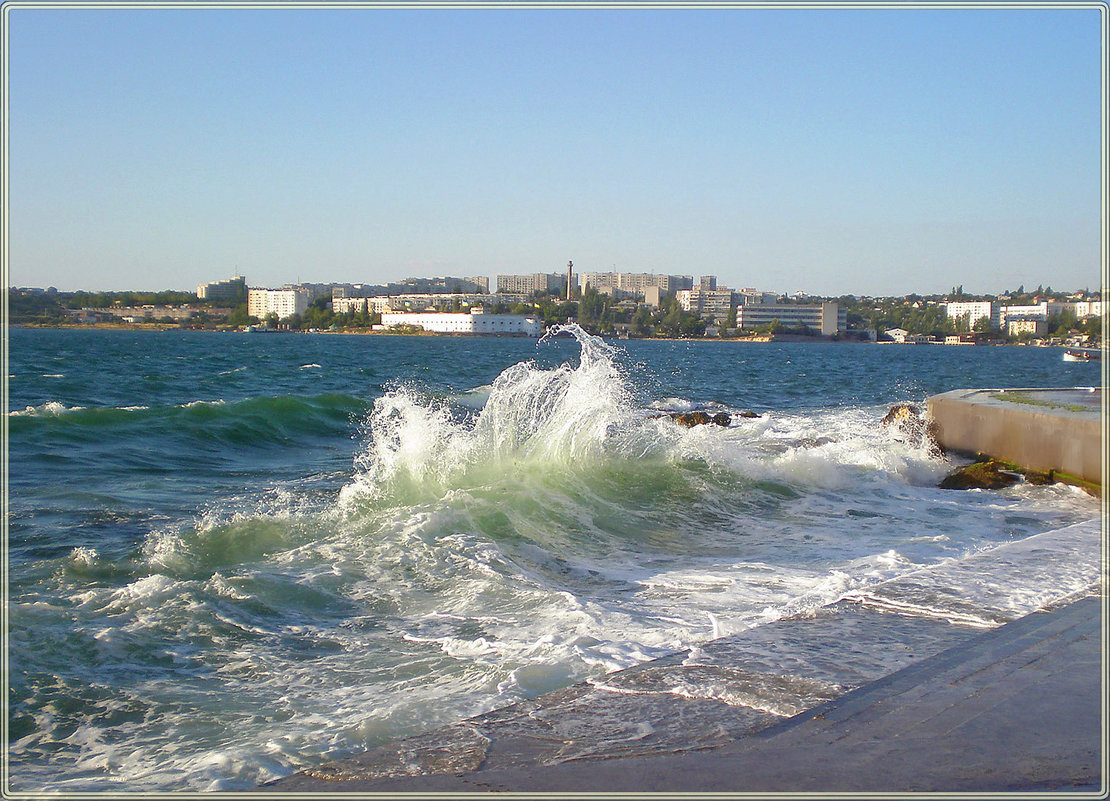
x,y
1029,325
709,302
476,322
346,305
827,317
1088,308
531,284
634,284
1049,308
975,310
283,302
228,289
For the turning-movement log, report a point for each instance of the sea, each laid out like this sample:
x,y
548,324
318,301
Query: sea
x,y
234,556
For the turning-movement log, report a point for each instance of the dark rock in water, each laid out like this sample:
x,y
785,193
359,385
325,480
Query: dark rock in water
x,y
748,414
690,419
990,474
900,413
699,418
911,427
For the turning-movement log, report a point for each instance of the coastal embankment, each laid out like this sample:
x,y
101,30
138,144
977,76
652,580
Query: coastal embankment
x,y
1055,431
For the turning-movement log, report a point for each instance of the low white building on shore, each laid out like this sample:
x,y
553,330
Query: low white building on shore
x,y
476,322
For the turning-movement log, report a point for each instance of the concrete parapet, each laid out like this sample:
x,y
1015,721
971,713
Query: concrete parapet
x,y
1050,430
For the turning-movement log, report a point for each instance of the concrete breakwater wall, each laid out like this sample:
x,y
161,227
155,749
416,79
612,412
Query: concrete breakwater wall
x,y
1049,430
726,692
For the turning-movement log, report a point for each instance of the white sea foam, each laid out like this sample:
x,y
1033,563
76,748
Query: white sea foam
x,y
48,409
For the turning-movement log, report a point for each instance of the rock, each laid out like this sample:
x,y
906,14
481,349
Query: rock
x,y
911,427
748,414
900,413
990,474
699,418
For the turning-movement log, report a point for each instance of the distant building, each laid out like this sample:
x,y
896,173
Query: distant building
x,y
827,317
975,310
476,322
707,282
904,337
531,284
708,302
750,297
440,286
1037,328
628,285
1088,308
283,302
229,290
420,302
347,305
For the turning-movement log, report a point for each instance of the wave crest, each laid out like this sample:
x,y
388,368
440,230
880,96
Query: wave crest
x,y
531,415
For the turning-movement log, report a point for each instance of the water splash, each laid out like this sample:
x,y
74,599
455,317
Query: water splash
x,y
555,417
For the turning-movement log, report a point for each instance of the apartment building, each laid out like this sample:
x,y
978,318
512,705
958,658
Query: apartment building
x,y
532,283
708,302
283,302
827,317
230,289
628,285
975,310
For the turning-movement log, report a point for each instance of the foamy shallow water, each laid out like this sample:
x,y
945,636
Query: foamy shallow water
x,y
469,548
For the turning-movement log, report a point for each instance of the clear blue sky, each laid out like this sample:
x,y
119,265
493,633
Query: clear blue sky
x,y
831,151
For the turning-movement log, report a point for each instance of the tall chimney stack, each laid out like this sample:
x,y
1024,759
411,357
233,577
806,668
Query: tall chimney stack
x,y
570,278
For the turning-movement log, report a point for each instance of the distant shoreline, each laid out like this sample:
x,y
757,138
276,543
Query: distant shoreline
x,y
757,340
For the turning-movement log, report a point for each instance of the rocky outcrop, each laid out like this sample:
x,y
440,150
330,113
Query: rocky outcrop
x,y
992,474
911,427
699,418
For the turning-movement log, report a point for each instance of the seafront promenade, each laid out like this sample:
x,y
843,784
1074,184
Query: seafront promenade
x,y
904,687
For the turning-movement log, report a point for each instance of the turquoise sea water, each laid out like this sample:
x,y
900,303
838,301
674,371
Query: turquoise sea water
x,y
234,556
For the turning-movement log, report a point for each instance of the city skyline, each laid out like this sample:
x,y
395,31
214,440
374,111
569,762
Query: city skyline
x,y
830,150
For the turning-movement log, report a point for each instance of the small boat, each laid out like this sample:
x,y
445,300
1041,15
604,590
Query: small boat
x,y
1082,355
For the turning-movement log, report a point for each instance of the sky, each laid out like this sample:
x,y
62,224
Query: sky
x,y
833,150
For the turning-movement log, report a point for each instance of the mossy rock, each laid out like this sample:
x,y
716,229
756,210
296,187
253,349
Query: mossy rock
x,y
992,474
981,475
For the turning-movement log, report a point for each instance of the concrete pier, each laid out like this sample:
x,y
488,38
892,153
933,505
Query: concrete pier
x,y
1048,430
904,686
